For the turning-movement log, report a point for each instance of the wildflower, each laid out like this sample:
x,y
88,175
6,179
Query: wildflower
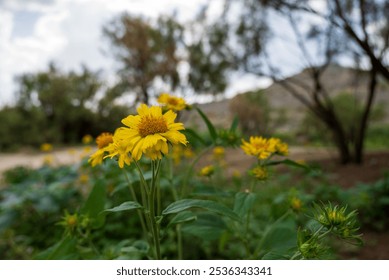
x,y
46,147
103,141
121,150
179,152
281,148
87,139
83,179
150,132
171,102
218,153
48,160
296,204
207,171
259,147
259,173
69,221
236,174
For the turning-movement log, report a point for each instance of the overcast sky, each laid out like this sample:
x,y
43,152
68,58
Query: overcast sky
x,y
68,32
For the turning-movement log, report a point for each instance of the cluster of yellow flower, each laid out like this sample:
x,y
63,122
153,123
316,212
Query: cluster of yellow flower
x,y
149,133
264,148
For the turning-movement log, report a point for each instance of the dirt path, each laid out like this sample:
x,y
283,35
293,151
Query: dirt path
x,y
235,157
36,160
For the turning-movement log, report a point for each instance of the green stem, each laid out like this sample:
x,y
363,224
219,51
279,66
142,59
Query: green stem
x,y
269,229
134,197
179,242
190,170
155,166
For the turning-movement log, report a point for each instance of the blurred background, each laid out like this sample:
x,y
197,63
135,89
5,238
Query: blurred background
x,y
313,72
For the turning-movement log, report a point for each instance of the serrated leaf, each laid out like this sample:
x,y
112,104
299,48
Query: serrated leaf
x,y
207,227
125,206
209,205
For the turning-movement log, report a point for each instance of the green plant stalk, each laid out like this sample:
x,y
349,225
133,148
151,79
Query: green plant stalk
x,y
175,196
179,242
134,197
155,166
268,229
190,170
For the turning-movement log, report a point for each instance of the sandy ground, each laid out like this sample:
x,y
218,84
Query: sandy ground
x,y
73,155
36,160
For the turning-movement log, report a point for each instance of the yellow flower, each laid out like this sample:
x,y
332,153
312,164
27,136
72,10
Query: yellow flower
x,y
48,160
46,147
259,147
207,171
87,139
104,139
104,143
259,172
150,132
83,179
281,147
171,102
121,150
296,204
218,152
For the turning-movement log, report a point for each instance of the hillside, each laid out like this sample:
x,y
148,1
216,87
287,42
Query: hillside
x,y
336,79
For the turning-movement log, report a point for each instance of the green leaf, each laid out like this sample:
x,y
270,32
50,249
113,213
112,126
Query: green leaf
x,y
243,203
234,124
191,133
183,217
290,163
211,128
94,205
209,205
63,250
125,206
207,227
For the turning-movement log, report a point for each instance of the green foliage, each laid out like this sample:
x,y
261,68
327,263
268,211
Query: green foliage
x,y
253,112
349,111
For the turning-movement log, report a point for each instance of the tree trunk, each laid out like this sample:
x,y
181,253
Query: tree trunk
x,y
361,133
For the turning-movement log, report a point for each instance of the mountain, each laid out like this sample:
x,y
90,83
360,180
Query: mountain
x,y
336,80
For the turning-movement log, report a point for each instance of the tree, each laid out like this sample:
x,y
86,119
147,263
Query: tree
x,y
147,53
62,98
354,28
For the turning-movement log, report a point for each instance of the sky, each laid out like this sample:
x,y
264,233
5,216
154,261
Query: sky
x,y
69,33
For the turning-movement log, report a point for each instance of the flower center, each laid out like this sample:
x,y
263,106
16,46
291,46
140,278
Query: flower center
x,y
104,140
172,101
151,125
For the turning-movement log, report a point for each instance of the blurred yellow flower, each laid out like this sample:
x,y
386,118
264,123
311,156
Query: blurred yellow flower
x,y
46,147
259,147
48,160
104,139
121,150
296,204
87,139
150,132
207,171
263,148
259,173
218,153
83,178
171,102
104,143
